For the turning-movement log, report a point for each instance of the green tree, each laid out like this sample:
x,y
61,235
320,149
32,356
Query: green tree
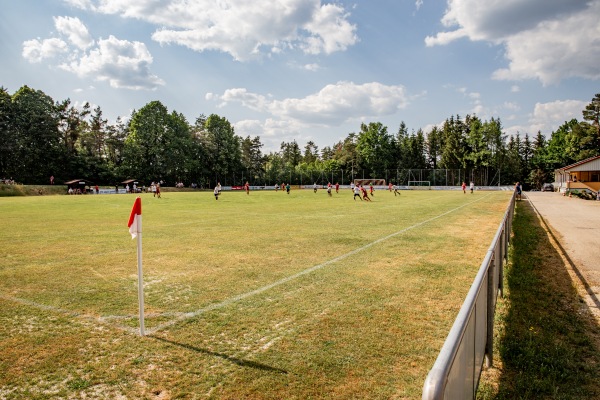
x,y
38,153
557,154
540,173
159,145
374,148
223,148
454,144
433,147
290,154
252,158
8,139
311,152
592,112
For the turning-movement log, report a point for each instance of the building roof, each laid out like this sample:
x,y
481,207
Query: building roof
x,y
593,161
85,182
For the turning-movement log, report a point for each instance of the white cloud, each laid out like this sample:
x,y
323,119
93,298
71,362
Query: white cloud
x,y
495,20
123,64
556,50
515,89
443,38
547,40
36,50
243,29
548,117
557,112
312,67
75,30
334,104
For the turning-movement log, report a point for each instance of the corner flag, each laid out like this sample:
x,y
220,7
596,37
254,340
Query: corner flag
x,y
135,228
135,219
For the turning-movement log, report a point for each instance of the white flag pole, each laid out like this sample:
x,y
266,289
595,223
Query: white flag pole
x,y
140,274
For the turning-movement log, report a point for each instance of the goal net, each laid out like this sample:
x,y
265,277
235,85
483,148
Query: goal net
x,y
367,182
419,185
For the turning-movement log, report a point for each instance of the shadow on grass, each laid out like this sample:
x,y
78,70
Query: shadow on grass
x,y
548,345
574,267
234,360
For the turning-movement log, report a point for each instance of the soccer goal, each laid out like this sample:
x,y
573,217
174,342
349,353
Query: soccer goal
x,y
419,185
367,182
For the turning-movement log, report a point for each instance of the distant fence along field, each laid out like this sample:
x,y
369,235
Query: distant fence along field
x,y
268,295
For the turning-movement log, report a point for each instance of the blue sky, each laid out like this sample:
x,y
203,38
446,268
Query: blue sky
x,y
308,69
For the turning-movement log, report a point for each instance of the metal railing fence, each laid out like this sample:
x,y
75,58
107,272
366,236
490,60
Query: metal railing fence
x,y
455,373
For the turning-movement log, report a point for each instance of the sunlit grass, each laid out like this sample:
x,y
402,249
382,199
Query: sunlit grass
x,y
367,322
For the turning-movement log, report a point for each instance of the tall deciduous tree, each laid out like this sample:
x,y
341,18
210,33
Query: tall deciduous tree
x,y
222,147
375,148
159,145
38,154
8,140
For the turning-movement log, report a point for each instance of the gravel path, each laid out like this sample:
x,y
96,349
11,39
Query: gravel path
x,y
576,224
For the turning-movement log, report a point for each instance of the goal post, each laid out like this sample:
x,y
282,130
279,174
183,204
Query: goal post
x,y
367,182
419,185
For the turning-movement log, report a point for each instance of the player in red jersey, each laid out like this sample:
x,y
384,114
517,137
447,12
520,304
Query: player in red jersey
x,y
365,194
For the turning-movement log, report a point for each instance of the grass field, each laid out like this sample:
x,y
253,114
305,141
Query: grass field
x,y
267,296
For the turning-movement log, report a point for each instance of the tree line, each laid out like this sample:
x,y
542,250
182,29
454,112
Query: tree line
x,y
42,137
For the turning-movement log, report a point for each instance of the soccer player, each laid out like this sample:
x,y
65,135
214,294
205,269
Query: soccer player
x,y
337,187
329,189
216,192
390,186
315,187
247,187
396,191
472,186
464,188
365,194
371,189
356,190
287,188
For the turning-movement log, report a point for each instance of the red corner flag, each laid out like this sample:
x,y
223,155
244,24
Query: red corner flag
x,y
134,218
135,228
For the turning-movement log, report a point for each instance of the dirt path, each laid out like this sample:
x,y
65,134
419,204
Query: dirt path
x,y
576,225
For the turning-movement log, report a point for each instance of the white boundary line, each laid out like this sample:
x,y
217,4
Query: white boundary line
x,y
242,296
183,316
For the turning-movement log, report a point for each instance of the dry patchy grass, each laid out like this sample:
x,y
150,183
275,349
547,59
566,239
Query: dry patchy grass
x,y
367,322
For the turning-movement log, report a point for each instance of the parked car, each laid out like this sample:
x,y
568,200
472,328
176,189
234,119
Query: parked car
x,y
548,187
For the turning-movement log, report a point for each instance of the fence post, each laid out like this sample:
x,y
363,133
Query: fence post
x,y
491,291
501,263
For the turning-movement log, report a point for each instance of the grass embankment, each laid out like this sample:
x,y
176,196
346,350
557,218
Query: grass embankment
x,y
270,296
31,190
547,345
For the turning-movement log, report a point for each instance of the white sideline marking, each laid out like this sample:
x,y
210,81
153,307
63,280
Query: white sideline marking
x,y
239,297
104,320
58,310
